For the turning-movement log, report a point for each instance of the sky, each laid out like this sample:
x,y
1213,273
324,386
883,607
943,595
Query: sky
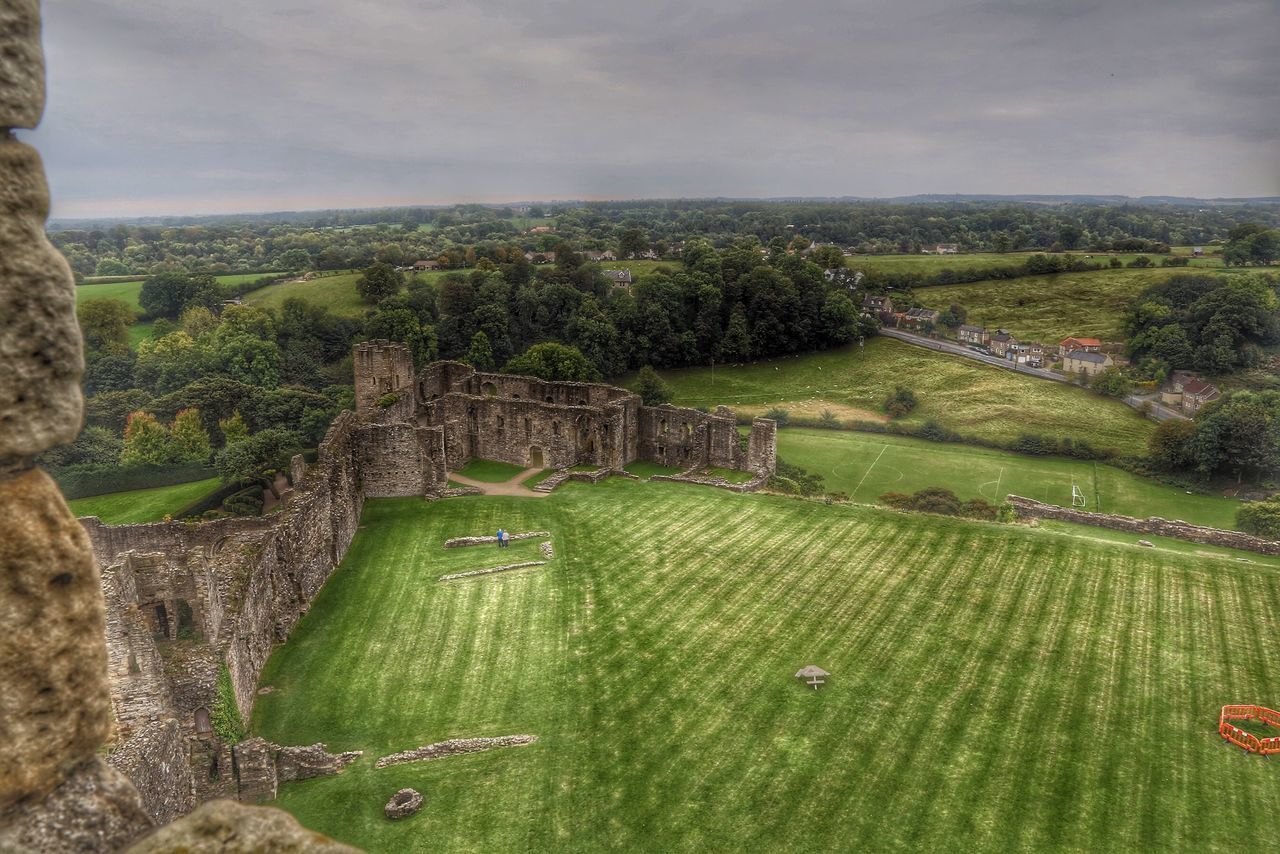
x,y
191,106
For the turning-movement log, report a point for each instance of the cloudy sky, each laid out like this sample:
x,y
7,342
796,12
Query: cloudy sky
x,y
192,106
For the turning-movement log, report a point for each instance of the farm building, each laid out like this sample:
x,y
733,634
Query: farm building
x,y
920,318
1088,345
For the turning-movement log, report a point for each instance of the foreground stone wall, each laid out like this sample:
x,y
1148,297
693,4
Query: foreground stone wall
x,y
1028,508
156,761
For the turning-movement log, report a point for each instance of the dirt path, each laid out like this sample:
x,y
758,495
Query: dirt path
x,y
515,486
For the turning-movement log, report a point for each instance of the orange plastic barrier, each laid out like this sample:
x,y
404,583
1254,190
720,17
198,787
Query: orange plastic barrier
x,y
1247,740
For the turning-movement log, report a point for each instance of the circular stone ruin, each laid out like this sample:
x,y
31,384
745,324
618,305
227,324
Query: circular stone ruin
x,y
403,804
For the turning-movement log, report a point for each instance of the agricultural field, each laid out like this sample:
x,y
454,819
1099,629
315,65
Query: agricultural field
x,y
971,398
930,264
336,293
864,466
125,292
1050,308
142,505
993,687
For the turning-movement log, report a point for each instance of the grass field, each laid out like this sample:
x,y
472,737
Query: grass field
x,y
927,264
968,397
490,471
864,466
1049,308
993,688
142,505
125,292
336,293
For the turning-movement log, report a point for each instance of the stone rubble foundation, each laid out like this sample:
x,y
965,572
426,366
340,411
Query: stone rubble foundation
x,y
455,747
460,542
491,570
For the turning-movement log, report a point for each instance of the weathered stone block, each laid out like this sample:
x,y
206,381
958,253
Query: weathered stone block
x,y
403,804
95,810
40,348
21,64
226,827
156,761
54,706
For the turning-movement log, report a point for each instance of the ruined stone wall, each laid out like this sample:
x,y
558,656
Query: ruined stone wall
x,y
399,459
762,446
382,368
1028,508
156,761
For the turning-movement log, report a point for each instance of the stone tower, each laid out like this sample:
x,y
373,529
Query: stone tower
x,y
383,371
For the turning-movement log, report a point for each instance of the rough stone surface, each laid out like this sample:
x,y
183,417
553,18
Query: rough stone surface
x,y
226,827
1028,508
548,550
40,348
403,804
156,762
461,542
492,569
256,770
455,747
303,763
54,699
712,480
21,64
95,810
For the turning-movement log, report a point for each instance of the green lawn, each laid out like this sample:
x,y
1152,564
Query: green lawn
x,y
336,293
142,505
864,466
125,292
490,471
993,687
645,469
1050,308
968,397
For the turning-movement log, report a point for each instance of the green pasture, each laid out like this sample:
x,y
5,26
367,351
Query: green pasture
x,y
864,466
125,292
142,505
1050,308
336,293
930,264
968,397
490,471
993,688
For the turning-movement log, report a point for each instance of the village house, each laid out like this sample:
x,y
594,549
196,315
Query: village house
x,y
619,277
941,249
1088,345
419,266
541,229
1030,354
1000,343
880,307
1187,392
594,255
920,318
1082,362
975,335
540,257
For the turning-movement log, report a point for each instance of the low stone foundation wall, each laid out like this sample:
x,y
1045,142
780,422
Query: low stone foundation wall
x,y
491,570
155,760
460,542
703,480
1028,508
455,747
262,766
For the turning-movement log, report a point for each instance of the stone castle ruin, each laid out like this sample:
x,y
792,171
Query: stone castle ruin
x,y
184,600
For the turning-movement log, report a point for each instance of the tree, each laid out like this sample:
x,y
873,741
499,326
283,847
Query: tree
x,y
379,281
105,324
189,439
169,294
146,441
735,346
1167,446
480,354
900,402
1112,382
828,257
551,361
839,319
653,390
1261,518
233,428
267,449
632,243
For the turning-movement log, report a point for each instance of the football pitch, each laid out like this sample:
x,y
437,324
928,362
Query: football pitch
x,y
993,687
866,465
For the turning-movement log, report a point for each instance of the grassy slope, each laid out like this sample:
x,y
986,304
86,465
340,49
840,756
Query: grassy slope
x,y
126,292
336,293
966,396
142,505
867,465
1049,308
993,688
926,264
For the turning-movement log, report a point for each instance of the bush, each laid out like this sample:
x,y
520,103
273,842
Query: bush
x,y
86,481
794,480
940,501
653,390
828,420
246,502
388,399
779,415
901,402
1261,518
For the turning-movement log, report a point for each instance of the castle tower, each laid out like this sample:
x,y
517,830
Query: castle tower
x,y
384,379
762,446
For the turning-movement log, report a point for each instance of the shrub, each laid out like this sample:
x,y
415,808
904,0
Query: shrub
x,y
1261,518
653,390
828,420
794,480
978,508
246,502
901,402
388,399
778,414
225,714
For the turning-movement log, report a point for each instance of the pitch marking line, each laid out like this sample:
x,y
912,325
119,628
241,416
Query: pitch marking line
x,y
999,478
868,471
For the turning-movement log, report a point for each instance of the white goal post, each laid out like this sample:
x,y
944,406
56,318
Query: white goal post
x,y
1077,497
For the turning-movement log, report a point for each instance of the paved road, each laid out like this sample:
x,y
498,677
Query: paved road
x,y
1159,411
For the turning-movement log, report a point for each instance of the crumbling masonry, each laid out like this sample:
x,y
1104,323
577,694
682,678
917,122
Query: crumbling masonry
x,y
185,599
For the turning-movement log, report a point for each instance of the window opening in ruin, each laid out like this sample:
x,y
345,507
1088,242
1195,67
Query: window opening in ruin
x,y
489,389
528,428
162,622
203,726
555,428
688,431
549,399
214,774
502,423
662,425
133,663
662,450
186,621
582,403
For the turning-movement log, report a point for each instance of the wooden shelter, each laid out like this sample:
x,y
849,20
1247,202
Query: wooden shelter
x,y
812,674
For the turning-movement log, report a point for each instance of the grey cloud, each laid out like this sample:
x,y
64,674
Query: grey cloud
x,y
186,106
